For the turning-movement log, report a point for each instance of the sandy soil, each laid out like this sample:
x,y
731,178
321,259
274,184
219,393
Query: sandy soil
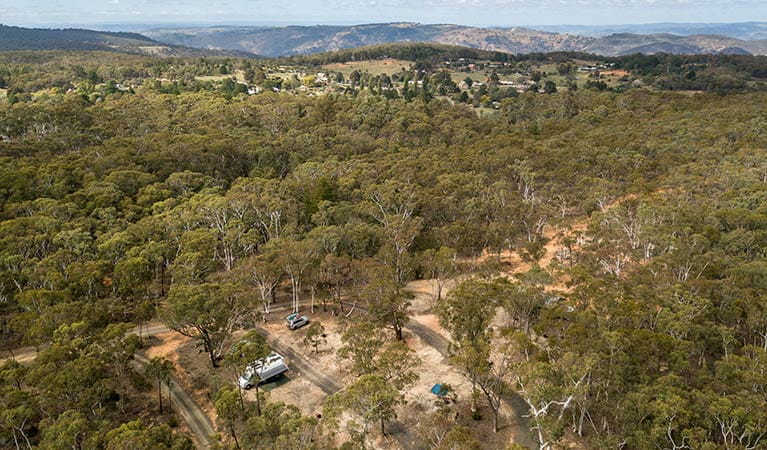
x,y
197,377
325,360
167,345
22,355
434,369
616,73
293,388
423,295
297,390
553,249
432,322
424,292
437,370
173,346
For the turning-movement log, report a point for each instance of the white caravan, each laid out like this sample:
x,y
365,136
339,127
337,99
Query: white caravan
x,y
263,370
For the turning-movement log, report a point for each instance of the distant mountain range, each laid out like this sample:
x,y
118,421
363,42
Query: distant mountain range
x,y
292,40
16,38
741,30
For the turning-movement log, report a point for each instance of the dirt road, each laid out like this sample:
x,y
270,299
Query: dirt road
x,y
191,412
302,366
329,386
195,418
27,354
519,422
201,425
22,355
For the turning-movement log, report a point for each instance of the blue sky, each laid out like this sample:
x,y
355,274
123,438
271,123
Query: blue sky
x,y
470,12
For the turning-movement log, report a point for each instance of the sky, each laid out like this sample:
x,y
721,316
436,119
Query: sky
x,y
54,13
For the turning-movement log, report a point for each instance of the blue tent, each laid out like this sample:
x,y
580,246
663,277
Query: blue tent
x,y
439,390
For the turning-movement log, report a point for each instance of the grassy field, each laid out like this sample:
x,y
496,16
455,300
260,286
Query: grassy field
x,y
611,77
484,111
283,75
374,67
3,92
239,75
457,77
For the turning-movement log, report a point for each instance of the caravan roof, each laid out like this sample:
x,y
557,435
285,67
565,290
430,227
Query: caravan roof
x,y
265,367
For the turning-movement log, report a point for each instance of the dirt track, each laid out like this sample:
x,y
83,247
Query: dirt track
x,y
195,418
201,425
329,386
520,423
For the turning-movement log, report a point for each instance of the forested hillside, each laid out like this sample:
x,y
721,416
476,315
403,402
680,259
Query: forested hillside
x,y
18,38
648,329
404,51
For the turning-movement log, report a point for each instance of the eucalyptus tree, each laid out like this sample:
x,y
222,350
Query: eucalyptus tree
x,y
370,398
208,313
247,350
466,314
160,370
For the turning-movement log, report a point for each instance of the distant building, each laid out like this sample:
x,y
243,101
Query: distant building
x,y
465,86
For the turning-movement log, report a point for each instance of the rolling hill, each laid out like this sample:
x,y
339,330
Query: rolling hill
x,y
628,43
298,40
293,40
739,30
17,38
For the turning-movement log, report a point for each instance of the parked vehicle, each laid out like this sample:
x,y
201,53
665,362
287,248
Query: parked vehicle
x,y
263,370
295,321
